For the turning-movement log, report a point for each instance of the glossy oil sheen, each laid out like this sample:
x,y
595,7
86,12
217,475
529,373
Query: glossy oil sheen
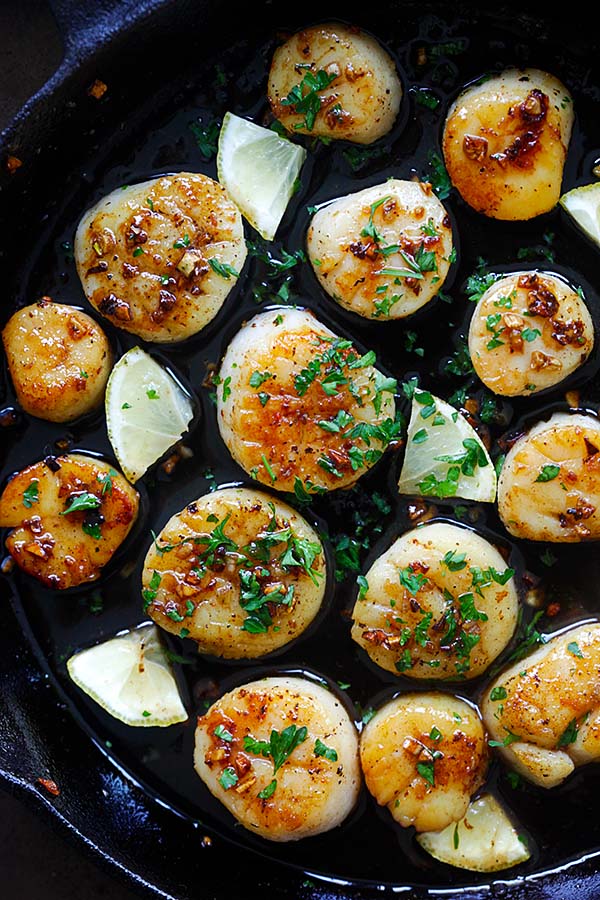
x,y
155,139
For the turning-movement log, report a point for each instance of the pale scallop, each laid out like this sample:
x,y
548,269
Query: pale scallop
x,y
159,258
64,549
505,143
315,790
59,360
216,591
363,91
543,712
296,404
423,756
440,603
529,331
382,252
549,485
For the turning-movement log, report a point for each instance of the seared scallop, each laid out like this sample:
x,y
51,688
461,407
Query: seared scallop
x,y
383,252
439,603
549,485
59,360
69,515
423,756
543,712
281,754
299,408
159,258
237,571
530,330
505,143
334,81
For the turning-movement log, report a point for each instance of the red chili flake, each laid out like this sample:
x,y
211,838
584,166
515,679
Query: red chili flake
x,y
51,786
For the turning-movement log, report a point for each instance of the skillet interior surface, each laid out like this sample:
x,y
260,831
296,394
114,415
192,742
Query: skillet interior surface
x,y
140,129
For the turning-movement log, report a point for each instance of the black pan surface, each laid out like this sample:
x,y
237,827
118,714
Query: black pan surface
x,y
175,78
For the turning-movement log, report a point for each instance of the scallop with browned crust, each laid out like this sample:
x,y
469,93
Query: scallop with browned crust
x,y
549,484
281,754
299,408
383,252
335,81
543,712
159,258
238,571
68,516
59,360
440,602
505,143
423,756
529,331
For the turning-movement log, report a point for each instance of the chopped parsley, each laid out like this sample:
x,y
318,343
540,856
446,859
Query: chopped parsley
x,y
81,502
322,750
279,747
304,97
31,494
548,473
222,269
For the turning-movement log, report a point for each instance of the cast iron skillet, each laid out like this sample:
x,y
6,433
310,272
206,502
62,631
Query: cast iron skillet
x,y
153,56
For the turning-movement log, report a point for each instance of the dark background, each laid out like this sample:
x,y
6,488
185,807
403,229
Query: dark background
x,y
35,861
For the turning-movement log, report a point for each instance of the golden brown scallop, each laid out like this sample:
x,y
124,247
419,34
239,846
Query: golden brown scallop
x,y
281,754
423,756
159,258
543,712
529,331
59,360
549,485
334,81
505,143
299,408
439,603
383,252
68,516
238,571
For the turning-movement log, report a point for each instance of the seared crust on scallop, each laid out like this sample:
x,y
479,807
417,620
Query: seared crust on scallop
x,y
549,485
159,258
544,711
238,571
423,756
505,143
439,603
529,331
299,408
361,90
59,360
60,547
383,252
317,784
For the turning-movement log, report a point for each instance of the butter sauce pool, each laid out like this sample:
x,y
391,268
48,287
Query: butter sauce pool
x,y
561,824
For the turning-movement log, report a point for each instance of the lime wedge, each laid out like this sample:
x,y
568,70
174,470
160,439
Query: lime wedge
x,y
444,456
583,205
131,678
147,411
484,840
258,169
